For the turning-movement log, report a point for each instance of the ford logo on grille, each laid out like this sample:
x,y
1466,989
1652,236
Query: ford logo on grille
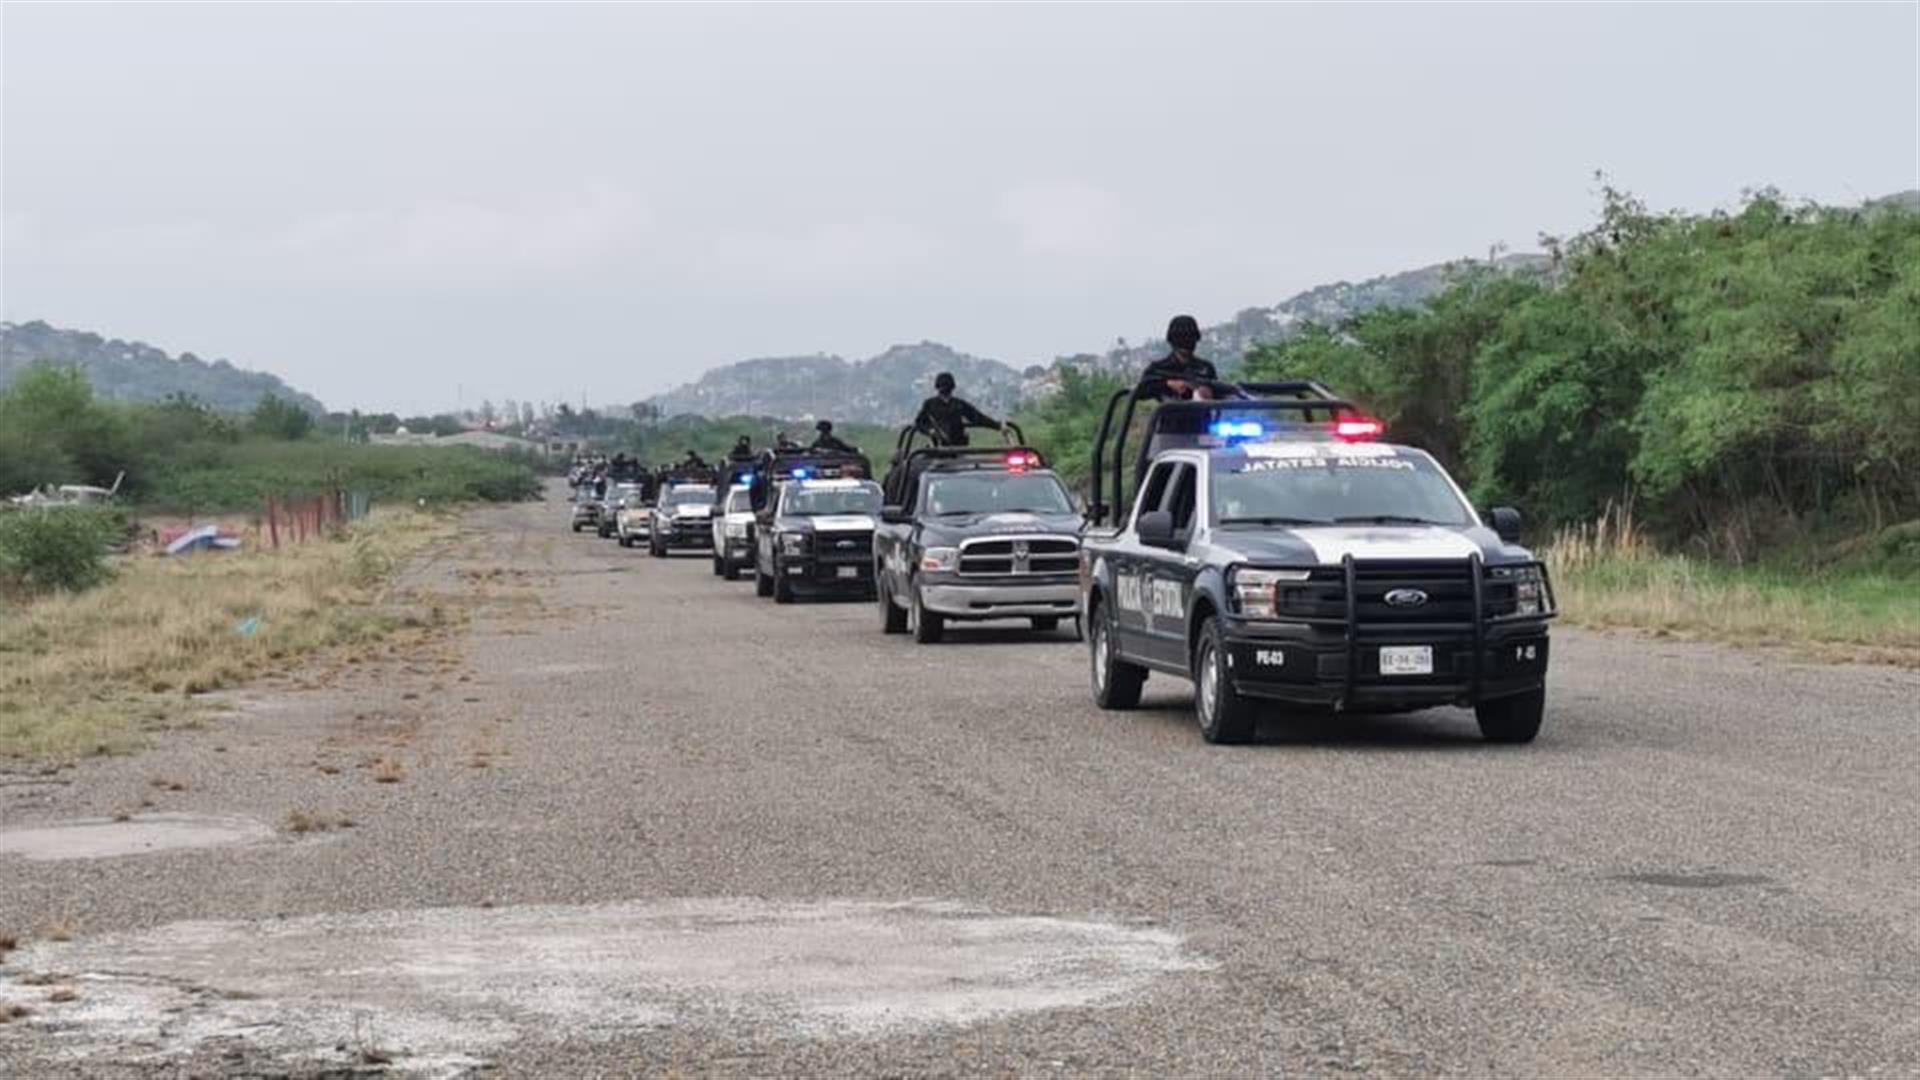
x,y
1405,597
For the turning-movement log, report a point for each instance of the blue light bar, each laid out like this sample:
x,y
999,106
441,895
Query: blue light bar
x,y
799,474
1241,429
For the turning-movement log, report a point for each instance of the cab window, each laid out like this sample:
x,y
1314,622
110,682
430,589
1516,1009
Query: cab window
x,y
1180,500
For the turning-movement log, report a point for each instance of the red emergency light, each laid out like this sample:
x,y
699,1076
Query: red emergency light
x,y
1021,460
1358,429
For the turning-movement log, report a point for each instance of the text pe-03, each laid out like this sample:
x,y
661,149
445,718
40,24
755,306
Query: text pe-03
x,y
1272,554
975,533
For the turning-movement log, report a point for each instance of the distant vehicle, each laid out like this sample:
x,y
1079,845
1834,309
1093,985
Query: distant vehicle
x,y
818,540
733,533
633,522
1276,553
681,516
975,533
586,509
608,522
50,497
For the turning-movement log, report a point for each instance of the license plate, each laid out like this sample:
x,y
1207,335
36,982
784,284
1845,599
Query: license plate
x,y
849,571
1406,660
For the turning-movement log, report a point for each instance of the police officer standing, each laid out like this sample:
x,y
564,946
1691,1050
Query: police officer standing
x,y
693,460
827,440
742,450
946,417
1179,375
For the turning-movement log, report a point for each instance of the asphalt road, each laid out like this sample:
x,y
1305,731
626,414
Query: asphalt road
x,y
650,822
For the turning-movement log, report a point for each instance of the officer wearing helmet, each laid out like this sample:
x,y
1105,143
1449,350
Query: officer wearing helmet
x,y
827,440
946,418
1179,375
742,450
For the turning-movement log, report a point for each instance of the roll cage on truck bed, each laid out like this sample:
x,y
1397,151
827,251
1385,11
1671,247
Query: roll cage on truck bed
x,y
1381,612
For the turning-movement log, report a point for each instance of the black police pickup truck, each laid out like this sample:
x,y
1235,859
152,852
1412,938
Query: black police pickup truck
x,y
814,516
972,533
1276,552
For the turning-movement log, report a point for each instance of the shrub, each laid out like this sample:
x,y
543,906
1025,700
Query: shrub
x,y
44,550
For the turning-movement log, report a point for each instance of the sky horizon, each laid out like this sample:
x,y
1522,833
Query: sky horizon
x,y
415,207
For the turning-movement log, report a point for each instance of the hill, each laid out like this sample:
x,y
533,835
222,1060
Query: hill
x,y
134,371
886,389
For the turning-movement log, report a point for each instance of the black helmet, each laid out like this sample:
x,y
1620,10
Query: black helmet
x,y
1183,332
943,382
823,426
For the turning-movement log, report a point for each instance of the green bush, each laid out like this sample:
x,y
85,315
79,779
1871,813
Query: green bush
x,y
43,550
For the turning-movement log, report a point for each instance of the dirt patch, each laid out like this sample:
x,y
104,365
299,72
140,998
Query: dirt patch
x,y
438,989
140,834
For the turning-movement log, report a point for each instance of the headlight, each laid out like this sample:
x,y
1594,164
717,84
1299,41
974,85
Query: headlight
x,y
793,543
1529,589
940,558
1257,591
736,530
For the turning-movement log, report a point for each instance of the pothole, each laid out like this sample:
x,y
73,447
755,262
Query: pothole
x,y
445,985
101,838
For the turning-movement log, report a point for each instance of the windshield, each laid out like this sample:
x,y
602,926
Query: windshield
x,y
689,496
996,493
809,501
739,501
1323,489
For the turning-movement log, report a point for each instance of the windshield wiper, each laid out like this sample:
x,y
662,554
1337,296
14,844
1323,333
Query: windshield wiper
x,y
1383,519
1272,519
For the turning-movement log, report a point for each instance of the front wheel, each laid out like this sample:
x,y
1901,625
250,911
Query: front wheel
x,y
928,626
762,584
782,588
1225,716
728,570
718,567
577,526
1116,683
1513,719
893,620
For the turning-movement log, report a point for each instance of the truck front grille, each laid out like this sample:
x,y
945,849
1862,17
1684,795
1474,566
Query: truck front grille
x,y
1014,555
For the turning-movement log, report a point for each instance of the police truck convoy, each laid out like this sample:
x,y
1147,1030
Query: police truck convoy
x,y
1262,541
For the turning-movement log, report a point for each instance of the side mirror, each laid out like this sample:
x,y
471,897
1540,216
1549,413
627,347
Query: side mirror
x,y
1506,523
1156,529
893,515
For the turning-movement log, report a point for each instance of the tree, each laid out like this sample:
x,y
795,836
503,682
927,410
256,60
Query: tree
x,y
277,419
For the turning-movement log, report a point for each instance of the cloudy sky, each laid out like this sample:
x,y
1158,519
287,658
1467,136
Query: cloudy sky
x,y
411,206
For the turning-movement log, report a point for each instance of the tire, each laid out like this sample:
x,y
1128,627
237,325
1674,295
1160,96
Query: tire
x,y
626,541
1513,719
717,568
893,620
1116,683
655,548
762,584
1046,624
577,526
1225,716
928,626
782,588
728,570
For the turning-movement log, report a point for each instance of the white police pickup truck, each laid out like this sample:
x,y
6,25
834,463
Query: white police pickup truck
x,y
1274,553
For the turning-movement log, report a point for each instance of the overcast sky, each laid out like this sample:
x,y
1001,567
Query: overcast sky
x,y
406,206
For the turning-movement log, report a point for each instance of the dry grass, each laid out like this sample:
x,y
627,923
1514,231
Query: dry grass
x,y
1609,574
61,994
388,771
300,822
91,672
10,1013
59,930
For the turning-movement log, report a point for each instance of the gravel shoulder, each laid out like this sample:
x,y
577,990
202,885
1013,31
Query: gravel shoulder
x,y
1707,864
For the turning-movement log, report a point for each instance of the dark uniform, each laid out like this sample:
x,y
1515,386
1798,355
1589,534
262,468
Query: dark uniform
x,y
742,450
694,460
1183,334
947,419
827,440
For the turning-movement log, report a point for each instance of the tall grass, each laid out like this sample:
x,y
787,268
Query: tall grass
x,y
88,672
1608,573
